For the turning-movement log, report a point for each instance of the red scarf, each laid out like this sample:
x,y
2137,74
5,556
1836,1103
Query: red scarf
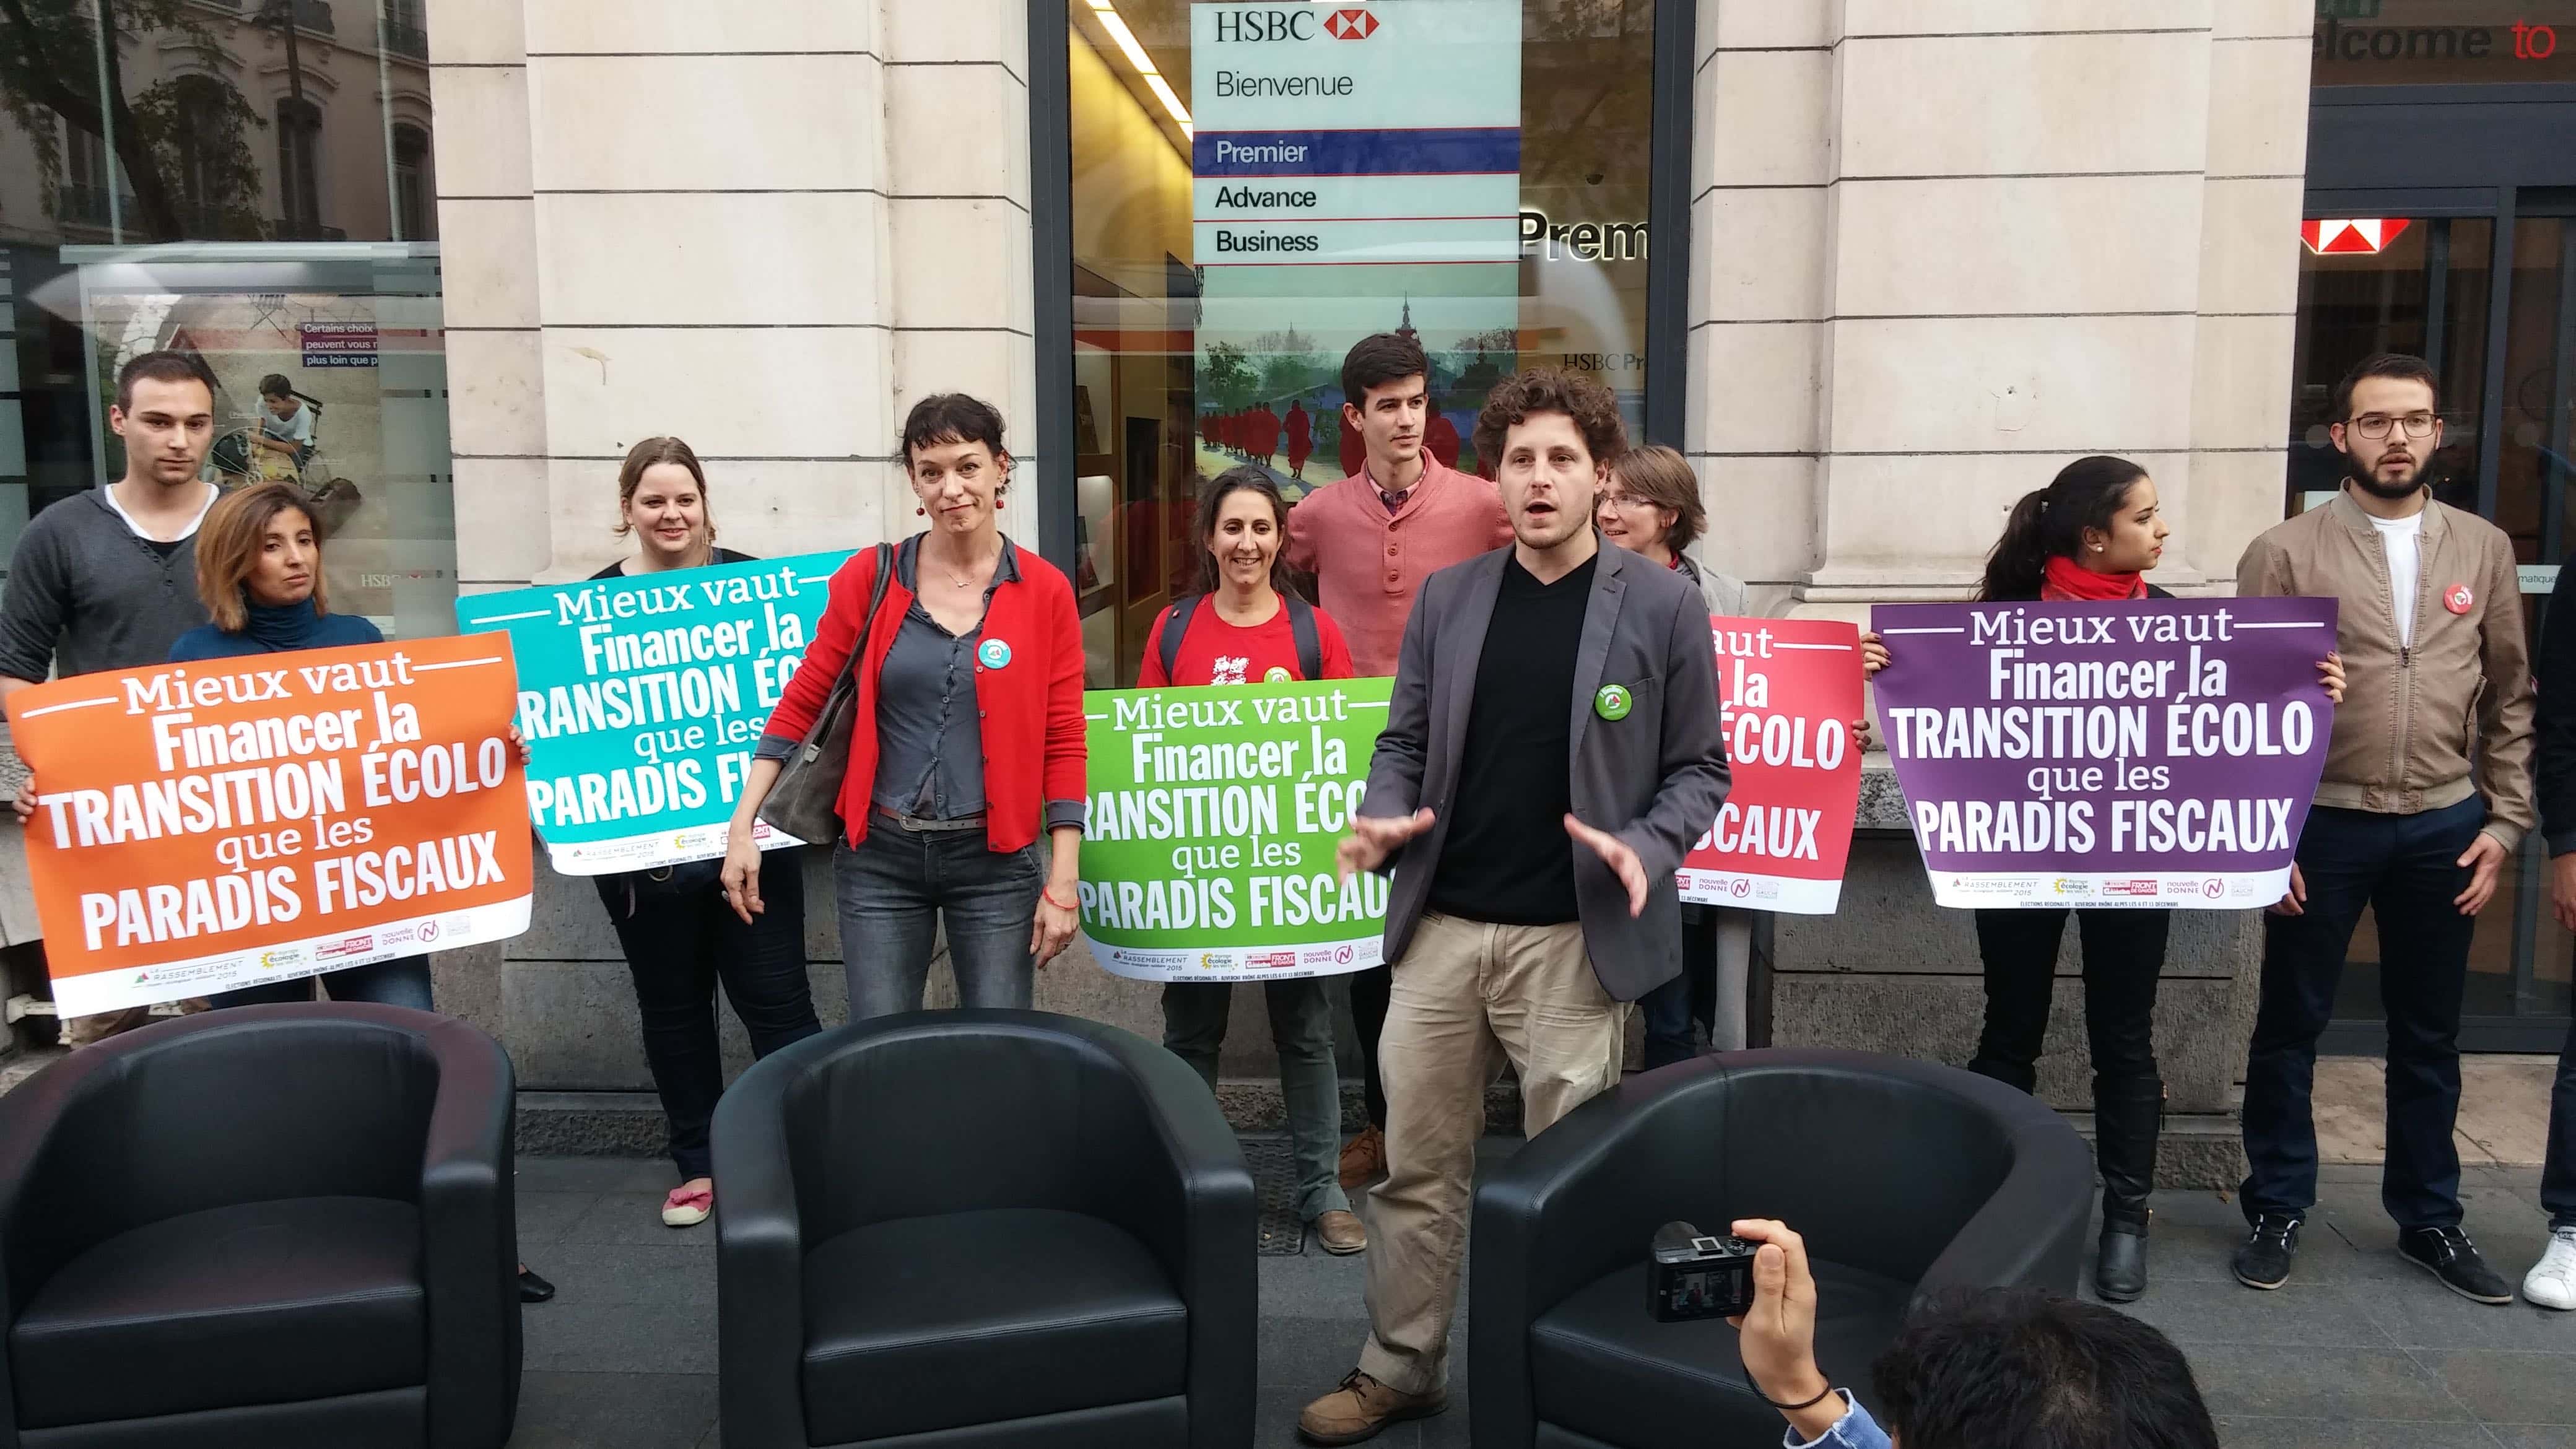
x,y
2067,579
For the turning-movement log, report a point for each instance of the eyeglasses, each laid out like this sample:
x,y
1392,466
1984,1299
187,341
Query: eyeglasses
x,y
2376,425
1626,500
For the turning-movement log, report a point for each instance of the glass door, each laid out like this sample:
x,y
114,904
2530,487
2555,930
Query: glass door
x,y
2377,274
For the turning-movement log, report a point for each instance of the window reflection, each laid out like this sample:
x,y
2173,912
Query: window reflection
x,y
281,132
1194,354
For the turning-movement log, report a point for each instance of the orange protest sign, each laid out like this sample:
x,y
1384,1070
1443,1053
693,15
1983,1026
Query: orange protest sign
x,y
209,825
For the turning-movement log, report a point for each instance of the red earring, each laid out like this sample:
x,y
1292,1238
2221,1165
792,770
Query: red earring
x,y
921,513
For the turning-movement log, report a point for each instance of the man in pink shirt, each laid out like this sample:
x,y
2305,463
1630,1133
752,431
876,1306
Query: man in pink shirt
x,y
1369,541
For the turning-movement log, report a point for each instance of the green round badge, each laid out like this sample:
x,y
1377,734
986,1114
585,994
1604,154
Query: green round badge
x,y
1612,701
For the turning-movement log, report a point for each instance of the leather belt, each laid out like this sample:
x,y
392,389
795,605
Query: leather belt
x,y
919,825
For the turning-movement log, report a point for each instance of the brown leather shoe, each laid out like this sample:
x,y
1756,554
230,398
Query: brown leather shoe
x,y
1361,1407
1341,1233
1363,1157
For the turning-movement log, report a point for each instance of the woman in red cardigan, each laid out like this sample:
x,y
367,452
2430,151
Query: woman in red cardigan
x,y
967,744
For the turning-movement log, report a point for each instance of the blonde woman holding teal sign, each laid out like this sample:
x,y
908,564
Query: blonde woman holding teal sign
x,y
672,921
1244,627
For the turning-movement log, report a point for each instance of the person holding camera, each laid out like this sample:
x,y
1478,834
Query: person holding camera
x,y
1990,1369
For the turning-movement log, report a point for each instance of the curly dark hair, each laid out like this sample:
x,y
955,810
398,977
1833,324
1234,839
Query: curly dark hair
x,y
1594,409
1999,1366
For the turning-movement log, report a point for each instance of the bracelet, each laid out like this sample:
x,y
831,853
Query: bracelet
x,y
1047,894
1793,1408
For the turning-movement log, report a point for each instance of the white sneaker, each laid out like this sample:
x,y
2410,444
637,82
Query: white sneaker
x,y
2551,1283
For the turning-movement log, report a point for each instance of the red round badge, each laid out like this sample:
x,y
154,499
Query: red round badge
x,y
2458,599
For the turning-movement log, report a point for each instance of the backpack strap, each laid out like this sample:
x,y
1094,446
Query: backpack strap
x,y
1176,623
1310,645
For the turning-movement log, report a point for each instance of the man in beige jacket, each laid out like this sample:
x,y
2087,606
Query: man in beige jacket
x,y
2426,794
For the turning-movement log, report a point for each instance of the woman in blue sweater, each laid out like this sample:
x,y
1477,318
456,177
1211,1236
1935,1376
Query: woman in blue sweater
x,y
259,570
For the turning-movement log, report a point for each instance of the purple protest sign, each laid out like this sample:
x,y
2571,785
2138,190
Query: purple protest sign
x,y
2152,753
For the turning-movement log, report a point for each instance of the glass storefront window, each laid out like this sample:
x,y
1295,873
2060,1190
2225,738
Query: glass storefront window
x,y
258,190
2426,285
2442,42
1257,185
2390,284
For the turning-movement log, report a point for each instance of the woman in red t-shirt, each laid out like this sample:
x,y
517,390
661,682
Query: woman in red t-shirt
x,y
1240,632
1239,629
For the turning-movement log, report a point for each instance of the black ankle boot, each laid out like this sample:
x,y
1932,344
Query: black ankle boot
x,y
2127,1116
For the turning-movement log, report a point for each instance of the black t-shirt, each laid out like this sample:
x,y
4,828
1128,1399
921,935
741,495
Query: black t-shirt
x,y
1508,859
617,570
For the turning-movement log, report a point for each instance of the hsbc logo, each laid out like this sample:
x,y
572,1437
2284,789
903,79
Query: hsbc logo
x,y
1248,25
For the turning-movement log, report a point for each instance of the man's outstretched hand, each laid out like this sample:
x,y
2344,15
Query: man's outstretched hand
x,y
1615,854
1373,838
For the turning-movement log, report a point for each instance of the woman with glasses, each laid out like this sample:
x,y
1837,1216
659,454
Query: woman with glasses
x,y
1652,508
2090,535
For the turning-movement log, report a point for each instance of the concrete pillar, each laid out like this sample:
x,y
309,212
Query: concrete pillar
x,y
765,229
1938,252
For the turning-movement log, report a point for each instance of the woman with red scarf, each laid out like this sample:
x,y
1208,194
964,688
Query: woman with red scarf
x,y
2091,534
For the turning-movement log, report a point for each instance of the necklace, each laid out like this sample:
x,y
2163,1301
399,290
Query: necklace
x,y
964,581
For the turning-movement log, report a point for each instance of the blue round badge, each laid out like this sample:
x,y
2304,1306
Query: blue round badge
x,y
994,653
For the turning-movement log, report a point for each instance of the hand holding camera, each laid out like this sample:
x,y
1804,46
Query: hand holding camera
x,y
1777,1335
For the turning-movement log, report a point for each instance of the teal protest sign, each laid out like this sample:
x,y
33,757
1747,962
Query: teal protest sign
x,y
1214,814
642,698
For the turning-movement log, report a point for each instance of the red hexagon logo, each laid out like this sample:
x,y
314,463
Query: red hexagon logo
x,y
1351,25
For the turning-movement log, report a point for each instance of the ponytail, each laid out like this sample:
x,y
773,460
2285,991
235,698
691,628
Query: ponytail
x,y
2050,522
2020,558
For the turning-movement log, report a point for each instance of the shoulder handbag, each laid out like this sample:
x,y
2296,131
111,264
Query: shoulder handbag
x,y
805,802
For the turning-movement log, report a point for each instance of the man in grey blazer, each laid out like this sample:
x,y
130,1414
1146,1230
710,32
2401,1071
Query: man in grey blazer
x,y
1551,750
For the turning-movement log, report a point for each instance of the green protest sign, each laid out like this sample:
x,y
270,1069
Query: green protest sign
x,y
642,697
1214,814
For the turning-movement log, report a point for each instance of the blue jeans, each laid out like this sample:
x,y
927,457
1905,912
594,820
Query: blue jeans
x,y
2403,868
1717,963
900,886
1301,1027
402,981
2558,1172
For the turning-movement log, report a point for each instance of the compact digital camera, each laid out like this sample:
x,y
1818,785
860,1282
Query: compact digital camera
x,y
1694,1275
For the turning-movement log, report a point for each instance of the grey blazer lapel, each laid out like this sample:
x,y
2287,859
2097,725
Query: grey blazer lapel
x,y
1600,621
1462,647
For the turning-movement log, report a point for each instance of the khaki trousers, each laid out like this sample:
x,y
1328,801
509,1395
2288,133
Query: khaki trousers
x,y
1466,996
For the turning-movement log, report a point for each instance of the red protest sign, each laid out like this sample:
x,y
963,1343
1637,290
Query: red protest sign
x,y
1791,688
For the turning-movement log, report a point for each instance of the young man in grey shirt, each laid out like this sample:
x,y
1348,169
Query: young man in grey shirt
x,y
108,579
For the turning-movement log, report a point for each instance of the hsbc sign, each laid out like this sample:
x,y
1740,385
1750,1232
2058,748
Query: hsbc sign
x,y
1237,26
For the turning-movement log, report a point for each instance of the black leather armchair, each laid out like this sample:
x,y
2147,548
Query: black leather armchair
x,y
262,1226
1902,1176
982,1228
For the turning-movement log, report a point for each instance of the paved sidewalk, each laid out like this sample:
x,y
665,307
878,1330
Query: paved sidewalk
x,y
2360,1351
